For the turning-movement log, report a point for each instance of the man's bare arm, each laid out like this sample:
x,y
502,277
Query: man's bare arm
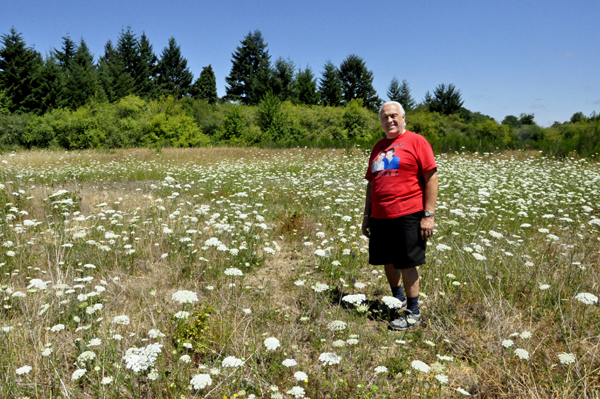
x,y
366,219
431,193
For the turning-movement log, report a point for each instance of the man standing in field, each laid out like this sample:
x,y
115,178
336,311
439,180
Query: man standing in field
x,y
399,210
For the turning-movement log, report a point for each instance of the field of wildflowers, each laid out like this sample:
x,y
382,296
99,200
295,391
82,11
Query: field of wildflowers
x,y
226,273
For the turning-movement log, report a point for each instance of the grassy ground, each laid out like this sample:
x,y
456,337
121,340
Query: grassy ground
x,y
223,272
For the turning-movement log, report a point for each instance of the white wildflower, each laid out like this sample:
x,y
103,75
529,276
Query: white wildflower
x,y
201,381
272,343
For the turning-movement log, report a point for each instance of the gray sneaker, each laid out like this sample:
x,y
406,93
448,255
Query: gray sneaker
x,y
406,321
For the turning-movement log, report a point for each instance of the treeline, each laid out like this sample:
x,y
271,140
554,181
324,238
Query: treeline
x,y
187,122
131,97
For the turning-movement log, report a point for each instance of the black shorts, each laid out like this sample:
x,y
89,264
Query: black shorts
x,y
397,241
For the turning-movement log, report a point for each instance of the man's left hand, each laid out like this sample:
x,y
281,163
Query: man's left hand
x,y
427,227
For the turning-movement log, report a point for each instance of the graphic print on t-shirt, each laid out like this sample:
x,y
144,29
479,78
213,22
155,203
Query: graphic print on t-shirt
x,y
387,160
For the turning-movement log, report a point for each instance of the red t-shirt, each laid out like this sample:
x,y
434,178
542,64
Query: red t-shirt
x,y
396,172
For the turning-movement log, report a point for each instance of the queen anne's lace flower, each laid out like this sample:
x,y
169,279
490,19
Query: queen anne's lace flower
x,y
320,287
123,320
381,369
232,271
420,366
232,361
300,376
355,299
77,374
23,370
184,296
296,392
587,298
522,354
201,381
141,359
329,359
391,302
272,343
337,325
566,358
289,363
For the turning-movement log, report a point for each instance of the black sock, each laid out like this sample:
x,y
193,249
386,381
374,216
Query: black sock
x,y
413,305
398,293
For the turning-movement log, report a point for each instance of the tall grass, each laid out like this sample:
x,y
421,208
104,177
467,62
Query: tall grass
x,y
136,273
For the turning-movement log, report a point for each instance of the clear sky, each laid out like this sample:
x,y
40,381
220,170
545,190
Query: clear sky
x,y
507,57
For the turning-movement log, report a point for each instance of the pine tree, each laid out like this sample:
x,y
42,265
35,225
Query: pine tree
x,y
250,76
445,99
50,88
205,87
147,70
174,77
115,83
80,81
282,84
357,82
306,87
401,93
65,55
406,99
330,87
19,73
393,91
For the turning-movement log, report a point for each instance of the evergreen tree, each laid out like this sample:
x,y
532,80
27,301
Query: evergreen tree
x,y
115,83
49,92
80,81
330,85
401,93
128,50
306,87
19,73
405,98
174,77
147,69
205,87
283,78
357,82
65,55
393,91
250,76
445,100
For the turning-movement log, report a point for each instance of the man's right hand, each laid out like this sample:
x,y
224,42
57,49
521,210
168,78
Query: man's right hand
x,y
365,226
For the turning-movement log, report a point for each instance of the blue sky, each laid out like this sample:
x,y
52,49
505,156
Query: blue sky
x,y
507,57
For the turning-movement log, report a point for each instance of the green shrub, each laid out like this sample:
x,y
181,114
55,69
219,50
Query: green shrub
x,y
176,131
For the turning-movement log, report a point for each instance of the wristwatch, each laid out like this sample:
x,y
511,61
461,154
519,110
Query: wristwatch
x,y
427,214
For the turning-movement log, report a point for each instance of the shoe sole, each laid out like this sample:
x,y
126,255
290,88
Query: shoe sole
x,y
416,324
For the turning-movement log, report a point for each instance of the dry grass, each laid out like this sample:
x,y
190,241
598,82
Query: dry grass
x,y
493,300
